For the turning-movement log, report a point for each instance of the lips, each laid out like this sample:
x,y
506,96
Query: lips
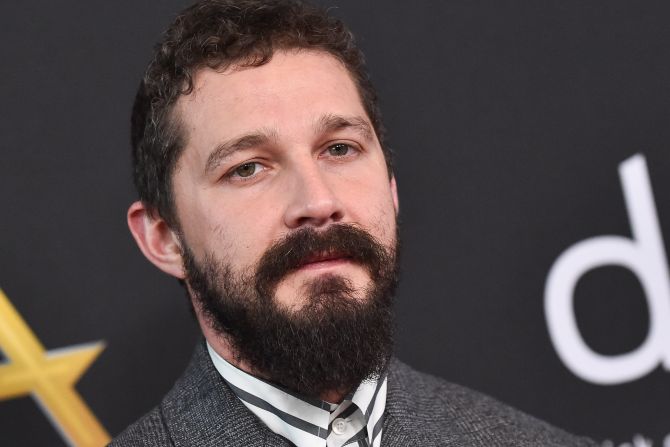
x,y
322,258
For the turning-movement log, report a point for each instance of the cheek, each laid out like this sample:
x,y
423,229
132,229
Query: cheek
x,y
241,234
370,203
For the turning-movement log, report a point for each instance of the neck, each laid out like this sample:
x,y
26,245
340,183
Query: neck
x,y
333,397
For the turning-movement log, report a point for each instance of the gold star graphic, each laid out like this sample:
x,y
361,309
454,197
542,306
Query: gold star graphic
x,y
50,377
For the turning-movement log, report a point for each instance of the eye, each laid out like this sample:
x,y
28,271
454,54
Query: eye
x,y
339,149
247,170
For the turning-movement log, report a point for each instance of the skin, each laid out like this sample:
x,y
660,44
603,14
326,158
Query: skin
x,y
295,148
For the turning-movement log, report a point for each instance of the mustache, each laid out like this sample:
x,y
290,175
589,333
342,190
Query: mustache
x,y
307,244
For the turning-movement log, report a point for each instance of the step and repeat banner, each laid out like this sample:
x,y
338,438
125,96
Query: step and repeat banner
x,y
532,144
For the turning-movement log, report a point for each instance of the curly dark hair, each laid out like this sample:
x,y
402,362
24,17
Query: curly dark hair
x,y
218,34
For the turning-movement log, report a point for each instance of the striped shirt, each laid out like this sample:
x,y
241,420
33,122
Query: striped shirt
x,y
307,422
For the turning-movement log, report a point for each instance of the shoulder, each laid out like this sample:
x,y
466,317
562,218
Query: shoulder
x,y
200,410
469,417
150,430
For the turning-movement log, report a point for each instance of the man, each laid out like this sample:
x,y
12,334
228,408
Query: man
x,y
266,189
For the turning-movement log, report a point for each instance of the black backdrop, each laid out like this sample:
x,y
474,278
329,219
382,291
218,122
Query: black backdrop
x,y
509,121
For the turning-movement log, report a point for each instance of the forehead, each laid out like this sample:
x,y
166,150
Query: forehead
x,y
290,92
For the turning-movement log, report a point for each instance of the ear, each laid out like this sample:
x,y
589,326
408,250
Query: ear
x,y
156,240
394,193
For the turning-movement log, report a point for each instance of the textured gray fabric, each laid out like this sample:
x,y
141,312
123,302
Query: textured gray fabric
x,y
421,410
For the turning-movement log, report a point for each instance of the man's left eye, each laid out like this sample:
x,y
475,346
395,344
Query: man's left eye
x,y
339,149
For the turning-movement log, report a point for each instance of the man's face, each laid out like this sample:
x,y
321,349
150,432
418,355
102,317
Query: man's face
x,y
273,150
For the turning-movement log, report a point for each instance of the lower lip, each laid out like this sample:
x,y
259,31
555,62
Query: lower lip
x,y
324,264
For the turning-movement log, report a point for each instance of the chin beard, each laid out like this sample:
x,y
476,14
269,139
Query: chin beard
x,y
338,336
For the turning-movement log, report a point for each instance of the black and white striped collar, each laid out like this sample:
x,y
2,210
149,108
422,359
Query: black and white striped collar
x,y
306,422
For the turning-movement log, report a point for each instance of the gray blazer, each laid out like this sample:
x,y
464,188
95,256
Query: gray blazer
x,y
421,410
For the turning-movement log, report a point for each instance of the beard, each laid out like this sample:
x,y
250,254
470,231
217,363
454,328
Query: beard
x,y
334,340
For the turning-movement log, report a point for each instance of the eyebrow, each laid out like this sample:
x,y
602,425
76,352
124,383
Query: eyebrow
x,y
227,148
331,123
326,124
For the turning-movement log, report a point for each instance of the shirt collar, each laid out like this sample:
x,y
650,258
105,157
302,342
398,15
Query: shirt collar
x,y
302,420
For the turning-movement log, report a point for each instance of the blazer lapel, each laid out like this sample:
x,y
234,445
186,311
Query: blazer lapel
x,y
201,410
401,427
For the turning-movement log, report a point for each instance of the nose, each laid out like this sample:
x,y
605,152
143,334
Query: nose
x,y
312,200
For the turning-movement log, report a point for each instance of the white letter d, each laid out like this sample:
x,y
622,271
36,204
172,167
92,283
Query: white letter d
x,y
644,255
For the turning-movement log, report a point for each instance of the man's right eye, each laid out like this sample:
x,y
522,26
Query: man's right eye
x,y
247,170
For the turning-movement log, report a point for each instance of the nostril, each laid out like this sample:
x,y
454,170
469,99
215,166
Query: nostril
x,y
320,220
337,216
